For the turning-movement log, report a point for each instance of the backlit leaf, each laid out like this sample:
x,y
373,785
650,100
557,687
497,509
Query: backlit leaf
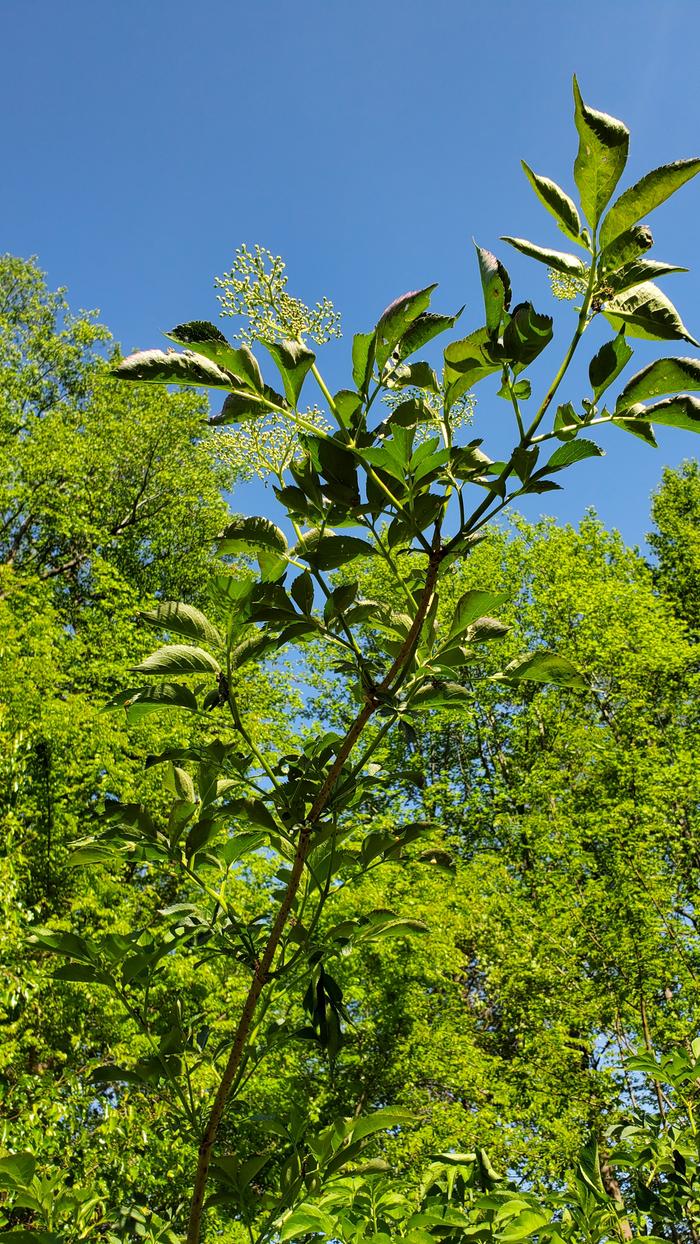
x,y
294,361
560,261
169,367
601,158
646,194
178,659
495,284
660,377
646,312
544,667
557,201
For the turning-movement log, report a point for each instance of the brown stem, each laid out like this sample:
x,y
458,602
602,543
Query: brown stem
x,y
263,968
614,1191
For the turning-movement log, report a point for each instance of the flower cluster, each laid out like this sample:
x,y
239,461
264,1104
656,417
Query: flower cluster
x,y
256,288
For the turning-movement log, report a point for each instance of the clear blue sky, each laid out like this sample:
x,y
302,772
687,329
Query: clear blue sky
x,y
367,141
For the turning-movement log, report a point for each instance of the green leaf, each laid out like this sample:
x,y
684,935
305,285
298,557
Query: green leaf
x,y
525,1224
294,361
544,667
304,1221
381,1120
17,1171
637,271
82,972
183,619
526,335
495,284
161,367
363,359
472,605
443,694
646,194
646,312
466,362
566,422
331,552
423,329
143,701
241,407
572,451
206,339
675,412
397,318
630,244
659,377
607,364
601,158
178,659
243,535
557,201
560,261
638,428
417,375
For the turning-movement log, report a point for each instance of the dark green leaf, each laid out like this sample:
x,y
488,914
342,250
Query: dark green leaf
x,y
495,284
572,451
646,312
566,422
526,335
293,360
638,428
646,194
183,619
466,362
178,659
381,1120
422,330
557,201
675,412
602,155
161,367
331,552
560,261
243,535
240,407
636,272
607,364
662,376
206,339
363,359
396,320
145,700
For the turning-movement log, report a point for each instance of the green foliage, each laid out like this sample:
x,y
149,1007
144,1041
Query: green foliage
x,y
258,972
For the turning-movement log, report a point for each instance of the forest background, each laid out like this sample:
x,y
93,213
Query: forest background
x,y
562,934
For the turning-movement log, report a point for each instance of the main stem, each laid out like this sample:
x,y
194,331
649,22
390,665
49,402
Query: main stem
x,y
263,968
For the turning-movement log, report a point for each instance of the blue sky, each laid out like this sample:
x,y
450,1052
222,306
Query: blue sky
x,y
367,141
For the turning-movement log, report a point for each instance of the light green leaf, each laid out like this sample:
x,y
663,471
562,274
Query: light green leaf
x,y
17,1170
178,659
495,284
206,339
242,535
646,194
161,367
525,1224
557,201
607,364
646,312
662,376
294,361
396,320
472,605
544,667
183,619
466,362
630,244
306,1220
560,261
143,701
602,155
389,1117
